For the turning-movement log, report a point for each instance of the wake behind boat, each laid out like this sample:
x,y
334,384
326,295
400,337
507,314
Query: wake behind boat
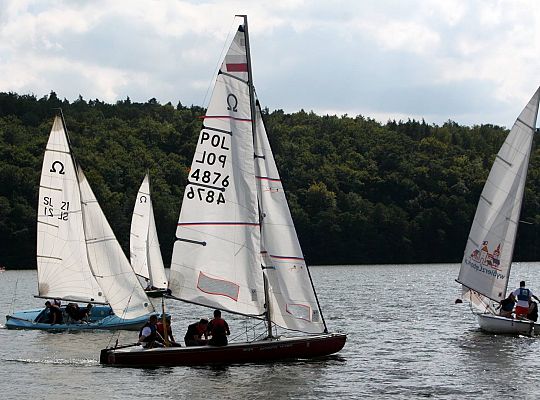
x,y
236,246
78,257
487,261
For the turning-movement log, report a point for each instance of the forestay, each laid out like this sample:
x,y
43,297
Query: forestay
x,y
108,262
488,255
62,262
145,252
216,258
292,300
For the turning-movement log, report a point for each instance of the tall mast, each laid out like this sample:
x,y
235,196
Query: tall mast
x,y
252,106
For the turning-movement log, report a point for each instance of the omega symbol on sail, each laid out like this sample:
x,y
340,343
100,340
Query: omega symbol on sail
x,y
53,169
232,102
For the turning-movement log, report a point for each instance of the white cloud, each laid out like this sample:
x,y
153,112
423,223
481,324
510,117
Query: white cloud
x,y
384,58
403,36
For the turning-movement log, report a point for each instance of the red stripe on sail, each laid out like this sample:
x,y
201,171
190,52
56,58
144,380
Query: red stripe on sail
x,y
266,178
218,224
237,67
286,258
224,117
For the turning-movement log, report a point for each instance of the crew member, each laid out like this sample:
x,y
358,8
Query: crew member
x,y
219,329
523,296
195,333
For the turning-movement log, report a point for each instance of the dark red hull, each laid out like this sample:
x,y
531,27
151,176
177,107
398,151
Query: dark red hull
x,y
301,347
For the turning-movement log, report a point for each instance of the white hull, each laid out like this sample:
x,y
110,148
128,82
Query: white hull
x,y
497,324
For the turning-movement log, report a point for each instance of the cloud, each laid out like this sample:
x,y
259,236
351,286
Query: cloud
x,y
471,61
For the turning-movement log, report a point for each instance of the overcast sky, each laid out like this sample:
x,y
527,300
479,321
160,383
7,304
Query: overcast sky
x,y
471,61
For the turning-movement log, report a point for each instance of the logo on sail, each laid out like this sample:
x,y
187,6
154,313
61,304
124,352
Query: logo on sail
x,y
484,257
483,261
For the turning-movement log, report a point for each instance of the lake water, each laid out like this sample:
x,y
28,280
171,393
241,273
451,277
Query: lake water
x,y
407,339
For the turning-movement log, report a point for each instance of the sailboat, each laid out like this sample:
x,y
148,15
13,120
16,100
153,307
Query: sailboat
x,y
236,246
144,247
79,259
487,261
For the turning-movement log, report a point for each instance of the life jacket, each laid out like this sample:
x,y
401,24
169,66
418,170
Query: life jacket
x,y
153,332
218,327
523,294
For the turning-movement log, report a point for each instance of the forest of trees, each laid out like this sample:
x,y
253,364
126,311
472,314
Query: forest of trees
x,y
360,192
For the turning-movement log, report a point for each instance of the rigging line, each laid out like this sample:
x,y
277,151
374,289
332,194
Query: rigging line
x,y
11,308
218,64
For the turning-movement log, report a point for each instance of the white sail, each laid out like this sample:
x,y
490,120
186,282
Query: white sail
x,y
62,262
108,262
293,304
216,258
488,255
145,252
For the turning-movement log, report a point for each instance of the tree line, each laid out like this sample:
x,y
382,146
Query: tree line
x,y
360,191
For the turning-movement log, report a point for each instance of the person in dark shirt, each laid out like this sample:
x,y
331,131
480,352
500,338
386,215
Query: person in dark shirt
x,y
219,329
507,306
55,313
195,333
148,335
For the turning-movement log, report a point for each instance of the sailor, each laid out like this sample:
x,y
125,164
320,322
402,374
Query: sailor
x,y
523,295
160,327
507,306
148,335
219,329
55,313
195,333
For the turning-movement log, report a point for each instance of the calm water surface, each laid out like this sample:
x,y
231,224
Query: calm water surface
x,y
407,339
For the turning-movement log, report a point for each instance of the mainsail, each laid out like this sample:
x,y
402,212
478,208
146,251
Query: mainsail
x,y
108,261
216,258
237,247
144,246
293,304
488,255
62,262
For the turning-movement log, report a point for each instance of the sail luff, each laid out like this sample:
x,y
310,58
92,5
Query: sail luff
x,y
155,260
488,255
254,115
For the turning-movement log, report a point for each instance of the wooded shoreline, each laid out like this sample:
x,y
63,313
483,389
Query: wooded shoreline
x,y
360,192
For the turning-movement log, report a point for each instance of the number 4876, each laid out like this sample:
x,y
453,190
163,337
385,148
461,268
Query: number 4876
x,y
204,194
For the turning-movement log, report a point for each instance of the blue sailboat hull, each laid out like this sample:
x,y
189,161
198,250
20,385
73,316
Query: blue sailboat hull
x,y
101,317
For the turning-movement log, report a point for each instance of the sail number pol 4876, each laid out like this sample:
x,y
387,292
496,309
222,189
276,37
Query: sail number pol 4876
x,y
210,178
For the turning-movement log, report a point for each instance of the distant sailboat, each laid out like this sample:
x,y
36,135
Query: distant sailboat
x,y
487,261
236,246
79,259
144,243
